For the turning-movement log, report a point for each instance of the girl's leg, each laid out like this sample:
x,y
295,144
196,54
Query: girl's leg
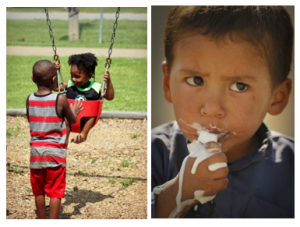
x,y
40,206
87,123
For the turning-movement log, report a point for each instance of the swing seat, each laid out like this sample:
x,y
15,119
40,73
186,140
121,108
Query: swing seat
x,y
91,108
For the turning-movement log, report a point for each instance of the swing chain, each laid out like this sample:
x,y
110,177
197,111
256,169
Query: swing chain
x,y
108,59
55,57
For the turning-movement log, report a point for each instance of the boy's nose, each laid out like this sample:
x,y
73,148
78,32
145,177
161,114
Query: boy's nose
x,y
212,107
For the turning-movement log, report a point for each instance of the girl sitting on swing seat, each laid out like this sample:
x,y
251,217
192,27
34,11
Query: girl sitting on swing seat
x,y
80,87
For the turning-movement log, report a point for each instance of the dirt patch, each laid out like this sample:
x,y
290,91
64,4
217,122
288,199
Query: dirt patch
x,y
106,175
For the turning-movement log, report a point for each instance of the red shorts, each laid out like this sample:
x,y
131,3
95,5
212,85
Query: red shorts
x,y
49,181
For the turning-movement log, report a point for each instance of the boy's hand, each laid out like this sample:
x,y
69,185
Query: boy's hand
x,y
209,181
57,65
107,77
77,108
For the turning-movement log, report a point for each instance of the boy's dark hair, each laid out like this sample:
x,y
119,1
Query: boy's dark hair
x,y
87,62
43,71
269,28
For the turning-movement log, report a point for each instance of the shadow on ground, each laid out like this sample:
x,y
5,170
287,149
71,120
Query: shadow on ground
x,y
80,198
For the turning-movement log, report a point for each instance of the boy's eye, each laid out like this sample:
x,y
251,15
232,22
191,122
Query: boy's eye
x,y
195,81
238,87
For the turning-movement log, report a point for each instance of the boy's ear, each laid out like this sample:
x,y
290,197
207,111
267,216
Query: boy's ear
x,y
54,78
32,78
281,97
166,82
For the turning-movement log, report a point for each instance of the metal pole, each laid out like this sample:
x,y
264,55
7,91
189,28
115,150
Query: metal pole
x,y
101,25
73,23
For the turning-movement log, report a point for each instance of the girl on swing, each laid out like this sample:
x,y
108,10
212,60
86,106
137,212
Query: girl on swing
x,y
80,87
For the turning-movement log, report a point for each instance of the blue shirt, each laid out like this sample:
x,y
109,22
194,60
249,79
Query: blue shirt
x,y
261,184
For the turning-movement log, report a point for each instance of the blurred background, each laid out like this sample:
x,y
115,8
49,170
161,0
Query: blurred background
x,y
162,111
79,30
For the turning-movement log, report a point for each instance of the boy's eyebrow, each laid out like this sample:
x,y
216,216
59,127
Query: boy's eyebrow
x,y
191,72
240,78
226,78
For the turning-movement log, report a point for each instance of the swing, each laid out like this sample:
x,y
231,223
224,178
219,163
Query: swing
x,y
91,108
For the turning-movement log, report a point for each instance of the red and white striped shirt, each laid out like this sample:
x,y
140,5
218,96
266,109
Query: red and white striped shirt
x,y
48,132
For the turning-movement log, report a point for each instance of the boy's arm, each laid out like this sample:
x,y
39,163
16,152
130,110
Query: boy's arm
x,y
109,91
27,110
68,111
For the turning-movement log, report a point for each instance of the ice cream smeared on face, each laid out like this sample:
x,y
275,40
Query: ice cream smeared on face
x,y
199,151
220,134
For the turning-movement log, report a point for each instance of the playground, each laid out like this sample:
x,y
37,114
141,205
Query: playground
x,y
107,174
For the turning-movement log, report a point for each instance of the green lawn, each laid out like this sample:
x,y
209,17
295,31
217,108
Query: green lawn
x,y
81,9
129,33
129,77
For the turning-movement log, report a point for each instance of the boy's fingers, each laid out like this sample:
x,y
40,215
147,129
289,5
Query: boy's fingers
x,y
212,147
216,166
219,173
218,185
217,157
78,103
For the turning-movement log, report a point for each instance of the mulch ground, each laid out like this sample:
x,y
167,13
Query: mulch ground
x,y
106,175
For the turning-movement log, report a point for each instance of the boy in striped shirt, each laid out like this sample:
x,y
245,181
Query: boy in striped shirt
x,y
46,113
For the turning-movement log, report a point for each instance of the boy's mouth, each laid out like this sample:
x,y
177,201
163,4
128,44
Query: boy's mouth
x,y
221,133
214,130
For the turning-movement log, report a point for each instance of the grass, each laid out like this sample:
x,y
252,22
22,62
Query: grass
x,y
127,163
81,9
134,135
82,173
125,182
15,170
129,33
112,180
11,132
108,162
129,77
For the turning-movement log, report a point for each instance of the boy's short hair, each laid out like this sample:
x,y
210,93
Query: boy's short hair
x,y
42,71
87,62
269,28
